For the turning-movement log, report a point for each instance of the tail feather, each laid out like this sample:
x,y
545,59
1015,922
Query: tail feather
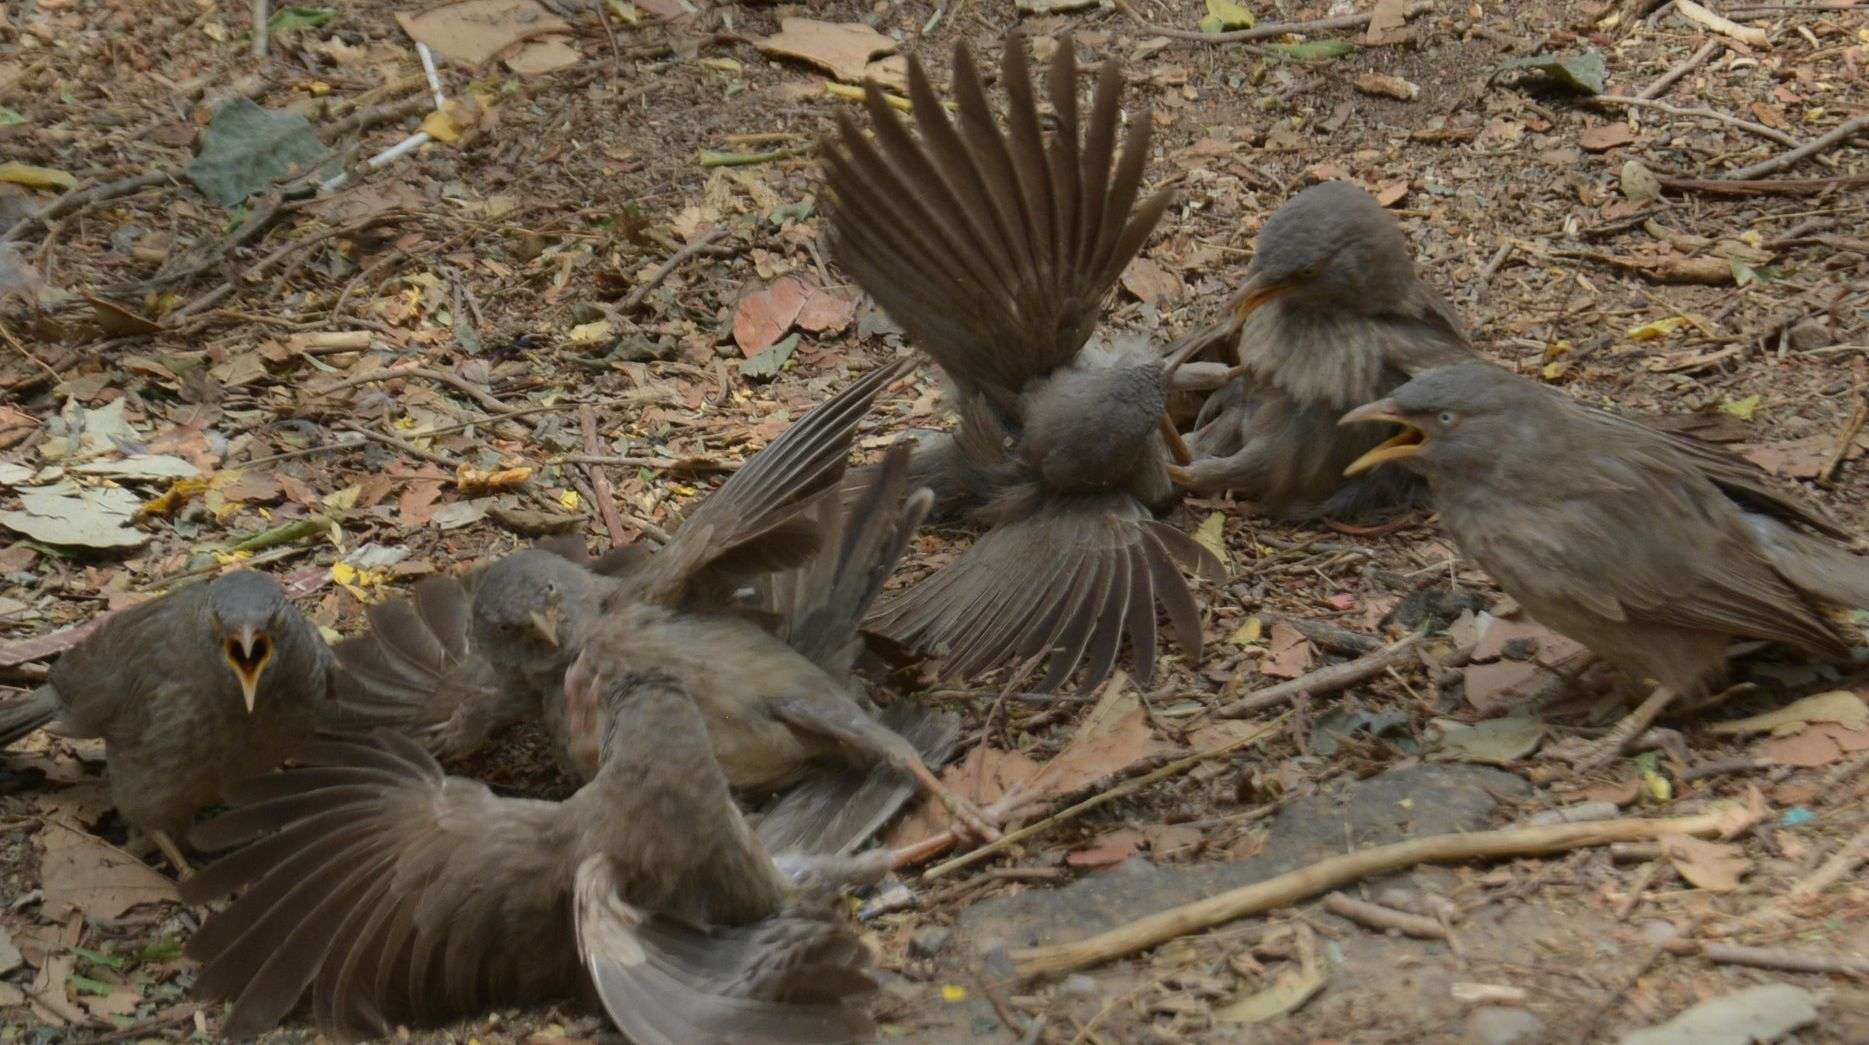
x,y
28,713
823,602
1816,566
835,812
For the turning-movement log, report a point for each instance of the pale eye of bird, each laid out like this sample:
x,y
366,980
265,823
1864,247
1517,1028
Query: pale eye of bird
x,y
1447,417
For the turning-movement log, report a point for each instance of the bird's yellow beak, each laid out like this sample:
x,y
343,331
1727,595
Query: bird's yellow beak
x,y
1255,292
545,625
1407,443
247,652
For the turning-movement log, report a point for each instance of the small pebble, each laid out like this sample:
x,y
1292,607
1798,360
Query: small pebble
x,y
1498,1025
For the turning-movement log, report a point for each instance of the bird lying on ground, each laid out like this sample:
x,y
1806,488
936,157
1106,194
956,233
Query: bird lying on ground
x,y
994,247
190,692
1651,549
393,894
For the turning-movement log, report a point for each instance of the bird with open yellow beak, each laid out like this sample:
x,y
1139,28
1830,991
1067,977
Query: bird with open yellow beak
x,y
1331,315
198,690
1652,549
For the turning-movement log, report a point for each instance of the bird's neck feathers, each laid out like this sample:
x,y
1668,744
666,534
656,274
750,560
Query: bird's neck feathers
x,y
1320,356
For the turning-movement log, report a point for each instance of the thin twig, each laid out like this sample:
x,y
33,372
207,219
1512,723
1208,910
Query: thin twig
x,y
1327,679
600,483
1736,186
1847,440
411,449
1680,69
675,261
1703,112
1127,787
1842,132
143,1027
1268,31
262,14
1768,958
85,197
1376,916
1338,871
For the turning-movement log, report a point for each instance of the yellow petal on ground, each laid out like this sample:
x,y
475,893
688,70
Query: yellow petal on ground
x,y
35,177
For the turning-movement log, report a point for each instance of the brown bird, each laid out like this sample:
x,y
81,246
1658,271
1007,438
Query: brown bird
x,y
994,248
461,658
191,692
776,705
1652,550
1331,316
393,894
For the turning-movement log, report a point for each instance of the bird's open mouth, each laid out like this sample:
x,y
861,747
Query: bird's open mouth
x,y
248,655
1407,443
1252,295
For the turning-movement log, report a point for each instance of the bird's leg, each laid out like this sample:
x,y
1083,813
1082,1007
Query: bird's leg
x,y
172,853
842,719
1632,726
1177,447
934,845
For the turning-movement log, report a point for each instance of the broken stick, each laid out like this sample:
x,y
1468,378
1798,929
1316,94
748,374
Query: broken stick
x,y
1339,871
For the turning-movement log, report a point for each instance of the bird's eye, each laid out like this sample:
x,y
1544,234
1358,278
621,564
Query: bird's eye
x,y
1447,417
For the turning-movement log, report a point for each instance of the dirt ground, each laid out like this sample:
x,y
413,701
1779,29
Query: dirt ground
x,y
520,277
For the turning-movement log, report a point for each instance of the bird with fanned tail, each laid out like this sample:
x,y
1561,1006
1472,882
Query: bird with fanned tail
x,y
994,246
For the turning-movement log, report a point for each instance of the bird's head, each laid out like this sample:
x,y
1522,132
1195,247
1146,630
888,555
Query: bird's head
x,y
1454,416
521,603
247,609
1331,247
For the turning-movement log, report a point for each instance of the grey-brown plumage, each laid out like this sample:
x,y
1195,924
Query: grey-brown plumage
x,y
994,246
1653,550
387,893
460,658
1331,316
777,705
206,686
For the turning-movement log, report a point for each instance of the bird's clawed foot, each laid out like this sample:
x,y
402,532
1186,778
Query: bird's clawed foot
x,y
1632,726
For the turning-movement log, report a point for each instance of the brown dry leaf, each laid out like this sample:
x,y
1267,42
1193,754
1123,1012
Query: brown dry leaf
x,y
1799,458
1839,706
1388,23
1714,866
764,316
1525,640
476,481
1815,746
1289,654
827,312
1380,85
83,872
1151,283
1108,849
844,49
1115,734
1171,840
474,31
1601,137
417,504
1390,193
544,56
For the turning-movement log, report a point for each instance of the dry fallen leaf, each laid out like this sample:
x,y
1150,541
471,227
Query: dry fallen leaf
x,y
1714,866
844,49
1288,653
476,481
1108,849
827,312
1151,283
1839,706
473,32
83,872
764,316
1601,137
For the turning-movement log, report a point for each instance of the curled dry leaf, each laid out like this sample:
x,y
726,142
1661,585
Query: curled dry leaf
x,y
843,49
83,872
1151,283
1839,706
1714,866
476,481
764,316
